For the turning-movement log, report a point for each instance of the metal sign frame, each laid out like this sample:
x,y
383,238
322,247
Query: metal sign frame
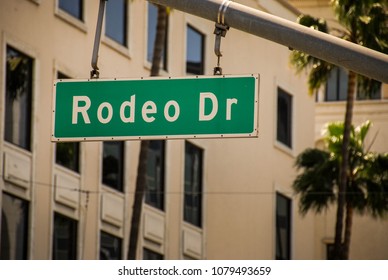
x,y
253,133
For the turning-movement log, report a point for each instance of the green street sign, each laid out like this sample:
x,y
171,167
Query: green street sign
x,y
155,108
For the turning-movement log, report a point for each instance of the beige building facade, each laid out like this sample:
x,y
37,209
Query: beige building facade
x,y
207,198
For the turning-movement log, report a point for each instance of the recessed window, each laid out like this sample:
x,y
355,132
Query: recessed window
x,y
195,51
151,255
154,194
14,228
116,21
18,98
372,94
193,185
151,34
113,165
284,118
283,227
337,85
330,251
72,7
67,153
64,238
110,247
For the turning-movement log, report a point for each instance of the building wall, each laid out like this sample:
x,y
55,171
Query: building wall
x,y
241,176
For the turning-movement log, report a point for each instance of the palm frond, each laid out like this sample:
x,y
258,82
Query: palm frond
x,y
300,60
318,76
361,131
319,70
372,28
311,158
319,24
372,181
333,136
316,183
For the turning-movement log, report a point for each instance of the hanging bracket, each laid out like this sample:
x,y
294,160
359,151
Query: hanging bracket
x,y
220,31
95,74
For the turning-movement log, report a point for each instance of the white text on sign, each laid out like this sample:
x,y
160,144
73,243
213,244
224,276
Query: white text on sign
x,y
82,104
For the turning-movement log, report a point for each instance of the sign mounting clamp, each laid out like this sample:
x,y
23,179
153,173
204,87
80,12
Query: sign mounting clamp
x,y
220,31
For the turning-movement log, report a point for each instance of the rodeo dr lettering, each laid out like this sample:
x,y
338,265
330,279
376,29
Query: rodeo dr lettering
x,y
171,110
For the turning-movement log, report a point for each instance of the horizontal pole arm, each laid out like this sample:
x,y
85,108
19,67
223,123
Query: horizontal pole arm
x,y
324,46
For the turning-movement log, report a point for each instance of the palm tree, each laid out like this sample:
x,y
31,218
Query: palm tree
x,y
367,184
141,181
365,22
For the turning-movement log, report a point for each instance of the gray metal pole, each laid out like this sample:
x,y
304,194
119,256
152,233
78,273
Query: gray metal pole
x,y
94,73
318,44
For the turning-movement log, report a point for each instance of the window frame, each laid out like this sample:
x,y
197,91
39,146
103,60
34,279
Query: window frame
x,y
81,8
75,158
203,43
26,226
329,251
289,128
159,190
193,214
114,41
70,19
288,228
120,245
30,99
121,183
151,253
337,81
73,237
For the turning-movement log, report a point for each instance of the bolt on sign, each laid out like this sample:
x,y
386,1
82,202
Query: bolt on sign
x,y
155,108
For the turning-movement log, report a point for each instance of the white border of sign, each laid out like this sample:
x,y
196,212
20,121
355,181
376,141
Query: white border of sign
x,y
254,134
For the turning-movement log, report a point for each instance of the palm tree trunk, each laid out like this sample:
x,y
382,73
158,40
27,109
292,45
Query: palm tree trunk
x,y
141,180
160,38
141,183
338,247
348,231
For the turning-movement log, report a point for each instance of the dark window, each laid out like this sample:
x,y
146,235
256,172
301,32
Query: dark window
x,y
284,118
195,51
330,251
337,85
374,94
283,227
110,247
152,22
193,185
155,174
151,255
116,21
65,238
18,99
14,228
113,164
72,7
67,154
